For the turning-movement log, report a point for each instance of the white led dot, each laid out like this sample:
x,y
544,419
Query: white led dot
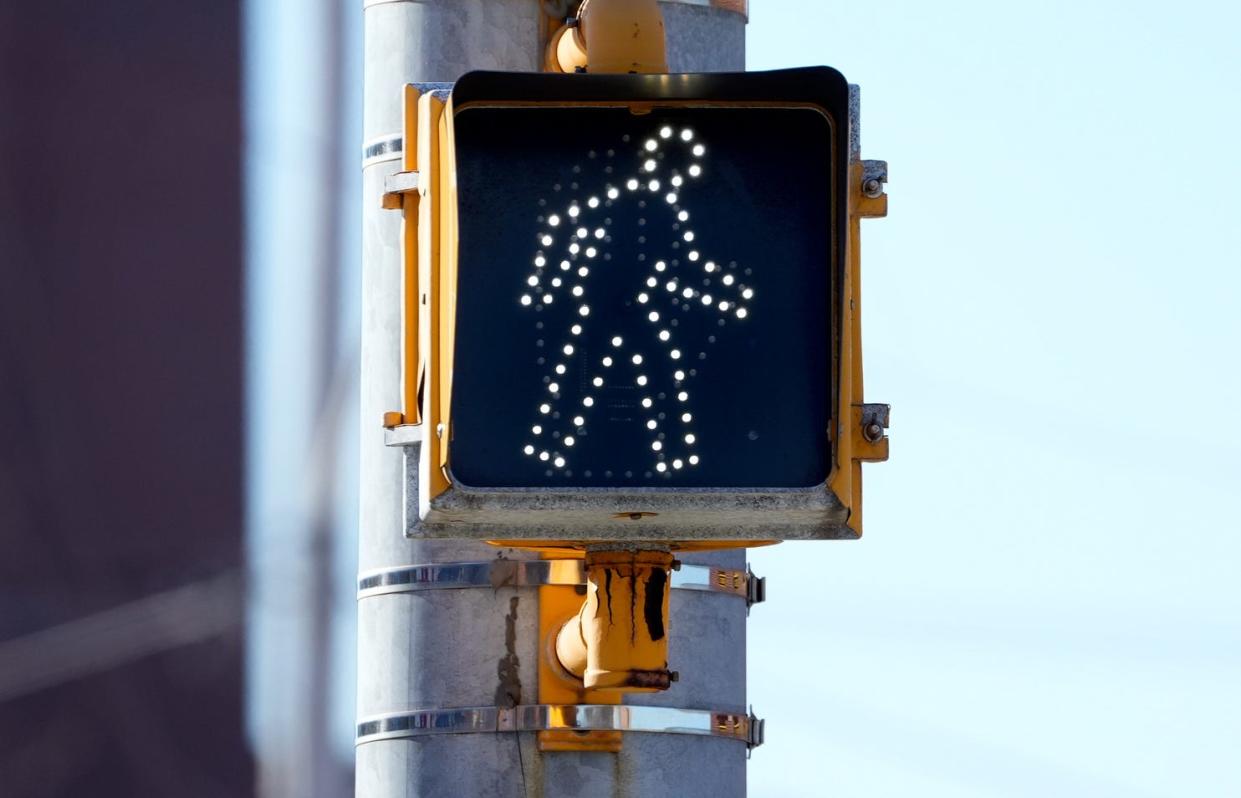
x,y
723,306
607,362
748,293
689,235
577,329
614,193
657,446
693,254
652,424
687,293
582,272
556,282
632,185
660,266
664,335
643,297
598,382
560,369
687,134
547,241
553,220
678,375
568,349
675,354
584,310
699,150
683,216
677,463
593,202
532,280
582,232
728,279
547,299
577,290
686,417
665,132
544,456
661,467
653,316
553,387
651,145
695,170
590,252
671,198
641,380
600,233
651,281
649,165
545,409
653,185
525,299
617,340
706,299
637,360
709,266
677,180
540,261
569,441
671,285
536,429
578,421
693,459
646,401
559,461
588,402
741,313
683,396
574,248
690,438
574,211
565,265
529,449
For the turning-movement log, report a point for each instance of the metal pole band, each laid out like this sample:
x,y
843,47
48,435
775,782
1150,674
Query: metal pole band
x,y
534,573
563,717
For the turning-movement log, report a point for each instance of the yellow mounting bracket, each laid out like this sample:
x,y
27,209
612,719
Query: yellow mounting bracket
x,y
610,36
860,428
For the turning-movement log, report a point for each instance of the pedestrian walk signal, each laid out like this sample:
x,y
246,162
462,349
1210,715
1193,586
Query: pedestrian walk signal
x,y
636,299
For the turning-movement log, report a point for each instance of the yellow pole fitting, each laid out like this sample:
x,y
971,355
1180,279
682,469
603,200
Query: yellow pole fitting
x,y
611,36
619,639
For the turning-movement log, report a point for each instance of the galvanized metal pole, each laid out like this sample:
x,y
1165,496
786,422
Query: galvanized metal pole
x,y
479,647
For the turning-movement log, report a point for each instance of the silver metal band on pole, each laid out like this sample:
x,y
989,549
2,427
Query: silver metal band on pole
x,y
534,573
744,728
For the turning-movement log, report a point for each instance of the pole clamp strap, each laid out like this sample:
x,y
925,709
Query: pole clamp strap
x,y
742,727
536,573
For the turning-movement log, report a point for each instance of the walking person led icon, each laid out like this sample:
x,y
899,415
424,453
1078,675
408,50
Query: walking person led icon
x,y
673,274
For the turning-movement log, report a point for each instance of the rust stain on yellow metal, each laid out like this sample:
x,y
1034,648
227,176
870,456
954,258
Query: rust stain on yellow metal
x,y
618,640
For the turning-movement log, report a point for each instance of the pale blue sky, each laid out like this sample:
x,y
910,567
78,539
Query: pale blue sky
x,y
1046,601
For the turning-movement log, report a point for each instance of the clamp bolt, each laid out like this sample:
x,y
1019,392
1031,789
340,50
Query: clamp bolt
x,y
873,432
872,187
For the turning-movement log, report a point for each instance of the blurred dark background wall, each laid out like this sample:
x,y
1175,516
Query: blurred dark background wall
x,y
121,449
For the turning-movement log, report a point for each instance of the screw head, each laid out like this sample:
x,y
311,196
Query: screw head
x,y
872,187
873,432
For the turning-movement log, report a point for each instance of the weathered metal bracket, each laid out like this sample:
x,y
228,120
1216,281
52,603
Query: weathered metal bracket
x,y
537,573
742,727
873,421
396,186
873,204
